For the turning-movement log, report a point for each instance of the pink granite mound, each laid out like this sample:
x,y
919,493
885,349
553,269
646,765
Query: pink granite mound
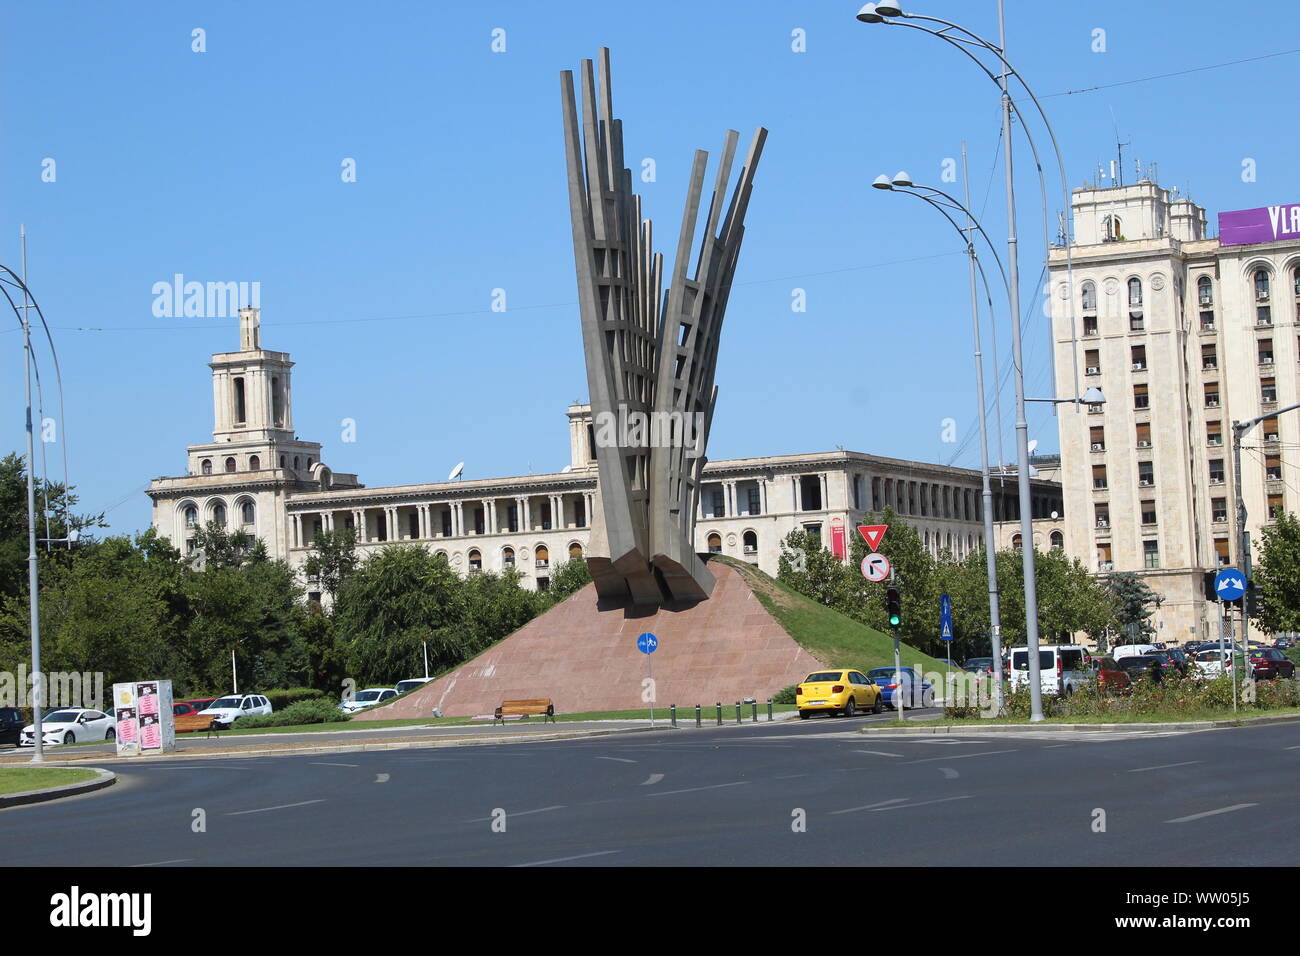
x,y
585,658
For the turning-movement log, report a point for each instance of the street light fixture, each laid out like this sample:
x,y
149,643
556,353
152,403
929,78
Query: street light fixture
x,y
1092,396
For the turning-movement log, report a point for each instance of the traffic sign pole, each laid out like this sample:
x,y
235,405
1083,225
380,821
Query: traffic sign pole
x,y
898,667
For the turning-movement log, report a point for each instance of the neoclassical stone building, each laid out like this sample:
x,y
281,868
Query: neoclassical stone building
x,y
257,476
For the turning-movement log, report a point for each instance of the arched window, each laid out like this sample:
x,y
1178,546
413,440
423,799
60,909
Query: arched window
x,y
230,465
295,462
206,467
575,551
1205,291
219,516
1089,296
254,463
1016,542
508,557
1058,541
542,557
475,560
751,542
282,461
1296,281
715,543
1112,232
1261,285
191,516
1135,291
247,512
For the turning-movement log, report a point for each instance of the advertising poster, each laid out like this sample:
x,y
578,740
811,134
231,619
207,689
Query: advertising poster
x,y
124,709
145,724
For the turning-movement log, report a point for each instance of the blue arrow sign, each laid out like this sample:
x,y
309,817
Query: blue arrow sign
x,y
1229,584
647,643
945,617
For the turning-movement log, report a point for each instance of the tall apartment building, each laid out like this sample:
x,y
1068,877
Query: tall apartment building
x,y
1184,334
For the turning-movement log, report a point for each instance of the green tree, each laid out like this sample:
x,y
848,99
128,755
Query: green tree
x,y
1277,574
1134,602
332,559
569,578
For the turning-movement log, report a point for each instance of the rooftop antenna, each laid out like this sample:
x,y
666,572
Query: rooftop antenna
x,y
1117,168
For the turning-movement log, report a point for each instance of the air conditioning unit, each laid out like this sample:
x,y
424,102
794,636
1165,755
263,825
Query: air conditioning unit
x,y
1211,403
1266,360
1094,370
1210,366
1261,296
1146,482
1144,443
1139,366
1216,481
1098,446
1103,523
1272,437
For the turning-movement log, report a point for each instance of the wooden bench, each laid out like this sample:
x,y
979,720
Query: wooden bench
x,y
193,723
538,706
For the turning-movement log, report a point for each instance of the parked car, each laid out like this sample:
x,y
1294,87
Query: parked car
x,y
1062,668
1176,659
1284,643
11,725
1145,667
367,698
1269,662
70,725
843,692
1111,678
200,704
1210,662
410,684
224,711
181,709
978,665
1132,650
914,691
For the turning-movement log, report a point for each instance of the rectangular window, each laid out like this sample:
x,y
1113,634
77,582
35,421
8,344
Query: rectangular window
x,y
810,493
1101,512
1144,434
1268,390
1216,471
1209,357
1265,351
1263,315
1097,437
1221,552
755,504
1273,467
446,524
1214,433
1099,476
1104,560
413,525
1140,397
1212,395
1275,506
1207,321
1146,474
478,521
1219,509
1148,512
1270,430
1151,554
512,518
1135,323
1092,362
1089,325
1139,358
719,505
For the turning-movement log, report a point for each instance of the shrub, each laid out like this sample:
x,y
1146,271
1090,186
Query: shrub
x,y
282,698
318,710
785,695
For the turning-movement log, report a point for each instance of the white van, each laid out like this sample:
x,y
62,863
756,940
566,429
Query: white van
x,y
1132,650
1063,668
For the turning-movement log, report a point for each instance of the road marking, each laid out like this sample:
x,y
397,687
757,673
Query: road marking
x,y
1297,747
653,779
163,862
949,773
923,803
619,759
318,763
381,778
1211,813
1054,746
789,776
520,813
1166,766
669,793
871,806
982,753
283,806
566,859
878,753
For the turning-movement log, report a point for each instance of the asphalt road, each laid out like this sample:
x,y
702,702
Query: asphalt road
x,y
716,797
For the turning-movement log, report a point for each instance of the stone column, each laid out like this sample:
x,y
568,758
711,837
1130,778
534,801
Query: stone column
x,y
824,480
526,514
762,495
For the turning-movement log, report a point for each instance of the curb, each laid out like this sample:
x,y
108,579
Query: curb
x,y
1098,728
105,778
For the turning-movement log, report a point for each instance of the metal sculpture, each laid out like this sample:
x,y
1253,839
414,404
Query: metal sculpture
x,y
650,357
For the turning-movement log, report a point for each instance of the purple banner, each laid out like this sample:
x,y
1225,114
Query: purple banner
x,y
1265,224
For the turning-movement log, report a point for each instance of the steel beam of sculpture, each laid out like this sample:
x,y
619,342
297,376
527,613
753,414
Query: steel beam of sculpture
x,y
650,356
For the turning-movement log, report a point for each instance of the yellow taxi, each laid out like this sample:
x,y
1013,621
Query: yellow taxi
x,y
838,692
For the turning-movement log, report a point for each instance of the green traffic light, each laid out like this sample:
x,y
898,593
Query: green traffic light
x,y
895,620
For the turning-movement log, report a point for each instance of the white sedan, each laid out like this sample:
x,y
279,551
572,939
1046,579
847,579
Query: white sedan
x,y
71,726
1210,663
367,698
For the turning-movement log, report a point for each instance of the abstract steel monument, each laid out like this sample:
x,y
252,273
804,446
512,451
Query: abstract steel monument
x,y
650,356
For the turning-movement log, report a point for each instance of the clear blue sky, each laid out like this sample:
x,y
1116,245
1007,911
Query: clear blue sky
x,y
225,165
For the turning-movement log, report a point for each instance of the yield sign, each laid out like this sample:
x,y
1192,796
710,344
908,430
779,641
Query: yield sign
x,y
873,533
875,567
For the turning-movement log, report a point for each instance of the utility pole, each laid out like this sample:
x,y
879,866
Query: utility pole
x,y
33,575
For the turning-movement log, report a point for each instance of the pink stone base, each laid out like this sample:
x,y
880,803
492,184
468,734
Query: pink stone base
x,y
585,658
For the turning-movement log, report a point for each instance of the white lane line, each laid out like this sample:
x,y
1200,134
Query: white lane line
x,y
789,776
982,753
878,753
520,813
652,779
381,778
1165,766
669,793
908,806
1054,746
163,862
618,759
566,859
1212,813
1296,747
283,806
321,763
950,773
871,806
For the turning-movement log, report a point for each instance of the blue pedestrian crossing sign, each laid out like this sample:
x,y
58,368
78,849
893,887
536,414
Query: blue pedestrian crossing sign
x,y
647,643
1229,584
945,618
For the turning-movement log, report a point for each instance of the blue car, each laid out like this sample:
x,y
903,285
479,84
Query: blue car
x,y
915,692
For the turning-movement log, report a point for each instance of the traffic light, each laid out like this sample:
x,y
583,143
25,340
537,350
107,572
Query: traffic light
x,y
893,606
1254,600
1210,593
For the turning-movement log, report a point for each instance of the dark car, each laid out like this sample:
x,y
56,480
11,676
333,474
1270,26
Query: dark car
x,y
11,725
1175,658
978,665
1284,643
1269,662
1148,666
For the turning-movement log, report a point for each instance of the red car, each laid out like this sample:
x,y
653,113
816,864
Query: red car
x,y
1111,678
1269,662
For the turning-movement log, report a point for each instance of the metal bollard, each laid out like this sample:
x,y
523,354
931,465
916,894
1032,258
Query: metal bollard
x,y
769,708
672,715
719,706
738,712
697,716
753,711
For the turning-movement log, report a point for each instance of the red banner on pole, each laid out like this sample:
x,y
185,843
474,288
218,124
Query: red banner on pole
x,y
837,540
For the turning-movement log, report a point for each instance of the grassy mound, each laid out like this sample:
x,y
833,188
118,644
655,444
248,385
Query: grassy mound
x,y
825,633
